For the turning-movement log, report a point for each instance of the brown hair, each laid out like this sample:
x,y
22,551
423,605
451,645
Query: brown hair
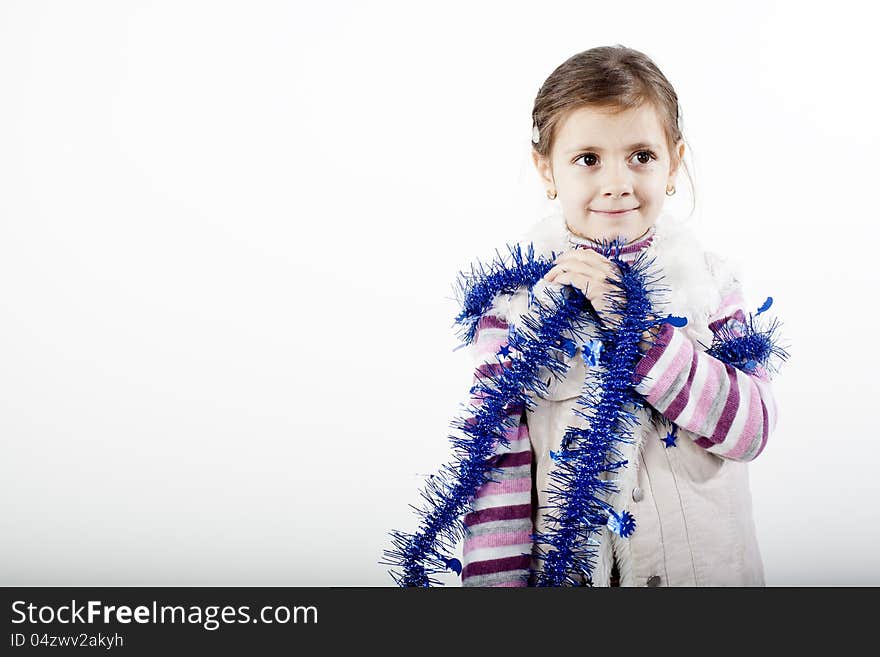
x,y
615,78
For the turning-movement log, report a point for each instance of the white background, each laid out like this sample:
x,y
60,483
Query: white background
x,y
229,232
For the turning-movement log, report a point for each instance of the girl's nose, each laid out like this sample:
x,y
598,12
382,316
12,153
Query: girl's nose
x,y
617,189
617,181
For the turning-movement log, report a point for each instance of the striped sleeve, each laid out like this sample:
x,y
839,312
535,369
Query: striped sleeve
x,y
732,412
497,545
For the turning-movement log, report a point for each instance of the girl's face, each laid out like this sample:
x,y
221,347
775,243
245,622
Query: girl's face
x,y
604,161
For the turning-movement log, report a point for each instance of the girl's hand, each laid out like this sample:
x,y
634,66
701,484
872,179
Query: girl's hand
x,y
586,270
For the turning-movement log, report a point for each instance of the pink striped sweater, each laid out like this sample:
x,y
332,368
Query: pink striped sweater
x,y
733,413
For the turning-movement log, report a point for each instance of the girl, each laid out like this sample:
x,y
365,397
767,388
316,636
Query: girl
x,y
607,145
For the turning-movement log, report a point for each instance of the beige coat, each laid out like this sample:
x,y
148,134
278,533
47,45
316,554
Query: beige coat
x,y
693,508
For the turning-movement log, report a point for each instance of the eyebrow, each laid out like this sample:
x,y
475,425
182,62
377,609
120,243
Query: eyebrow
x,y
641,144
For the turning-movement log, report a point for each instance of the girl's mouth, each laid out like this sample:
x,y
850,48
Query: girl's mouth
x,y
615,213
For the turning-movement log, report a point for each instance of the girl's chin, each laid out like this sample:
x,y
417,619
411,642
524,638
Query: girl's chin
x,y
609,230
613,221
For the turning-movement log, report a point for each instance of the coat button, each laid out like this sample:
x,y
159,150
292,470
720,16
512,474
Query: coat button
x,y
638,494
654,580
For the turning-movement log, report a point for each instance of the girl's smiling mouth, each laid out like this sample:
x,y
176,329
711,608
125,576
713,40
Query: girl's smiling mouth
x,y
615,212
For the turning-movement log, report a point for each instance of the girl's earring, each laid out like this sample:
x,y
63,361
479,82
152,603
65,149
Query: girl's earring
x,y
551,196
670,190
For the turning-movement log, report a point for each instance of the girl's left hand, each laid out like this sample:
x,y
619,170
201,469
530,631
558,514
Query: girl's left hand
x,y
586,270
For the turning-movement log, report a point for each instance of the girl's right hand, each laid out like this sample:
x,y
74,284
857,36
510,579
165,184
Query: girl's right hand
x,y
586,270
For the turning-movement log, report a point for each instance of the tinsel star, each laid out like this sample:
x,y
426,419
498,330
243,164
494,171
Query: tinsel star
x,y
453,565
670,437
568,346
623,524
504,352
592,351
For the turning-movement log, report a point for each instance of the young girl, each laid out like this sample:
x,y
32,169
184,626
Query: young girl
x,y
607,145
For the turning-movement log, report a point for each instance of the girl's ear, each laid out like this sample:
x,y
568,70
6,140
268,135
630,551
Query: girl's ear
x,y
543,166
676,159
679,147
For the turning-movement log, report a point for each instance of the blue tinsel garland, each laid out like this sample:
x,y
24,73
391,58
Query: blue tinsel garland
x,y
576,491
449,494
745,345
579,510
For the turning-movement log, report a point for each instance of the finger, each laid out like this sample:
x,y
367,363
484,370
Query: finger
x,y
581,268
563,278
576,280
573,266
589,257
555,270
583,283
583,254
615,274
602,262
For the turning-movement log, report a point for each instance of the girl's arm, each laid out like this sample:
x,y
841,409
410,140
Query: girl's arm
x,y
497,547
731,411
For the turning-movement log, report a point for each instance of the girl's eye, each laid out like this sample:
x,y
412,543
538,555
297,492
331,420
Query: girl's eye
x,y
644,157
591,156
648,154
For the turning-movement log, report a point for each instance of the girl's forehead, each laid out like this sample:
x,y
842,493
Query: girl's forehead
x,y
607,128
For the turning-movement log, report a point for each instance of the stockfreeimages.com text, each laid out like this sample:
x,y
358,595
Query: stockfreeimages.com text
x,y
210,617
